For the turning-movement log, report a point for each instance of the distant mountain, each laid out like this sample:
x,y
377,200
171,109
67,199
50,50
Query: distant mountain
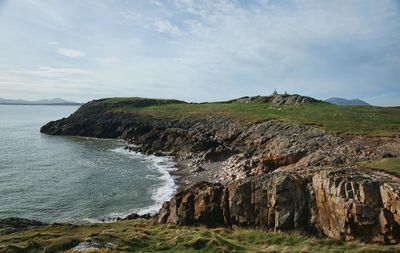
x,y
343,101
54,101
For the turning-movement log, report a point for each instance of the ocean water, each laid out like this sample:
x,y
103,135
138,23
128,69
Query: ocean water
x,y
73,179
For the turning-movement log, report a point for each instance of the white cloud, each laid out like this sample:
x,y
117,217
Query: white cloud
x,y
131,17
155,2
70,52
51,72
165,26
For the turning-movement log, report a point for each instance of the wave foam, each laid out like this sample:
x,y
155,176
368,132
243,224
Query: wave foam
x,y
162,164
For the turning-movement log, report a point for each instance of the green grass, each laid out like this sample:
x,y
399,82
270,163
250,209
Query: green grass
x,y
144,236
364,120
391,165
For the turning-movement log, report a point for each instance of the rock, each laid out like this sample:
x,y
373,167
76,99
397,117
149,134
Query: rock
x,y
388,154
277,100
12,225
93,244
340,203
134,216
201,204
275,201
198,169
357,205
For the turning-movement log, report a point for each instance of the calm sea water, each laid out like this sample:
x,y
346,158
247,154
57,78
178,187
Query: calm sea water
x,y
72,179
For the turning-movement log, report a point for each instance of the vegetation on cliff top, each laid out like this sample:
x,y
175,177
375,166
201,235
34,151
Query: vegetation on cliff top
x,y
365,120
144,236
391,165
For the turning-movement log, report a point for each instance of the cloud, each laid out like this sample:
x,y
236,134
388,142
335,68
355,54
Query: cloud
x,y
130,17
51,72
46,83
70,52
165,26
158,3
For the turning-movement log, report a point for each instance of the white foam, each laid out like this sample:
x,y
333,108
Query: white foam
x,y
165,192
162,164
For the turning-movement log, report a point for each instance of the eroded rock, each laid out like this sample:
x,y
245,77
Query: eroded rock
x,y
200,204
356,205
339,203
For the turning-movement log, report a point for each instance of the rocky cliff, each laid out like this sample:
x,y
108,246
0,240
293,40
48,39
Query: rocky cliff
x,y
270,174
343,204
235,149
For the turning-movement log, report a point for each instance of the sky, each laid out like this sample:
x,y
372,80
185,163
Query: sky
x,y
200,50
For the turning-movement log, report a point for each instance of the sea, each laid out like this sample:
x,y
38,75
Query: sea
x,y
73,179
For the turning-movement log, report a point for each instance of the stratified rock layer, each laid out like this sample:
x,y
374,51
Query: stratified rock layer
x,y
340,204
358,205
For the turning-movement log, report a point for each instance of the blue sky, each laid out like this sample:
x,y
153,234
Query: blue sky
x,y
200,50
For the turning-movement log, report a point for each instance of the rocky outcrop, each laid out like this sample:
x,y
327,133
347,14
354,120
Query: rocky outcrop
x,y
342,204
278,100
12,225
275,201
357,205
201,204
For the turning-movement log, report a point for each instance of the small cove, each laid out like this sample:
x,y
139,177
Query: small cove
x,y
73,179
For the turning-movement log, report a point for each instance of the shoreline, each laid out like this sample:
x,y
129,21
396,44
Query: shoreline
x,y
168,182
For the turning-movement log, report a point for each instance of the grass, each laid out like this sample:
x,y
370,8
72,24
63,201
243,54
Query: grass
x,y
363,120
144,236
391,165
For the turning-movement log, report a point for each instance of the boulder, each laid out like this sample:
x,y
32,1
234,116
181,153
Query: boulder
x,y
12,225
200,204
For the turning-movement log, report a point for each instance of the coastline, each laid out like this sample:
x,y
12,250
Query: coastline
x,y
249,166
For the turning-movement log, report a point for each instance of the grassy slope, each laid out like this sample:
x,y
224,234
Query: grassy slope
x,y
391,165
144,236
372,121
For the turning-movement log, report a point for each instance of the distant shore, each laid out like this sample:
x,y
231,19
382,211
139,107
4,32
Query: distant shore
x,y
43,104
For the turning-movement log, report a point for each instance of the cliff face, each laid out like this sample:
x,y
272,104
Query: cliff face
x,y
272,174
342,204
